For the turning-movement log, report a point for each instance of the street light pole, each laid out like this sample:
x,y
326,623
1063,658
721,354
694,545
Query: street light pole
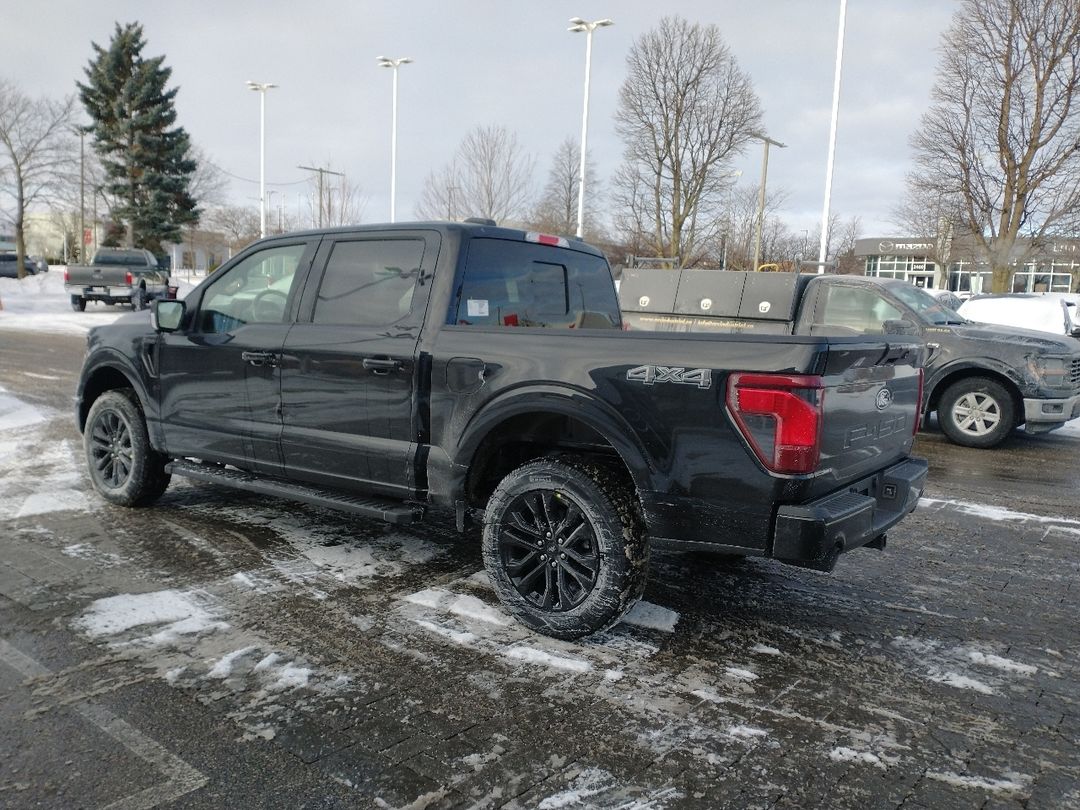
x,y
823,248
394,64
82,196
579,25
261,88
767,142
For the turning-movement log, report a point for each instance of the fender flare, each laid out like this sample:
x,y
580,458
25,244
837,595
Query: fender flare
x,y
564,401
986,365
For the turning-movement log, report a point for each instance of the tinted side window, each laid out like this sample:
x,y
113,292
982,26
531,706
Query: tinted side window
x,y
508,283
858,309
254,291
369,282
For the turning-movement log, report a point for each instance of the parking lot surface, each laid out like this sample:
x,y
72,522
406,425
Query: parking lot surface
x,y
225,648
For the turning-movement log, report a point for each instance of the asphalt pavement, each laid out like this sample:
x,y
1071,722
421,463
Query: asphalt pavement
x,y
226,649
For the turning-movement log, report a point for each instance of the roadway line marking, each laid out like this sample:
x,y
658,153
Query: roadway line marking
x,y
181,777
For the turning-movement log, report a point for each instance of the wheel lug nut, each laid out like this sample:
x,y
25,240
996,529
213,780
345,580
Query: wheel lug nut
x,y
548,534
553,563
543,556
562,556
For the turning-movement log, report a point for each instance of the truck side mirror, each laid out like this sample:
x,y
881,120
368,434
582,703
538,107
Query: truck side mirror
x,y
165,316
901,326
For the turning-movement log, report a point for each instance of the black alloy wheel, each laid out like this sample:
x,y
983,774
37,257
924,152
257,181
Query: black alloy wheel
x,y
124,467
548,549
110,449
564,544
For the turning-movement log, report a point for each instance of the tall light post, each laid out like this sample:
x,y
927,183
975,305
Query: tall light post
x,y
394,64
579,25
270,199
261,88
767,142
823,248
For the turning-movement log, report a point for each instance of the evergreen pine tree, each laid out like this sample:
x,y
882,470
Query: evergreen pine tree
x,y
146,157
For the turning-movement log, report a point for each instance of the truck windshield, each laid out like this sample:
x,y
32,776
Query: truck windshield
x,y
926,306
124,259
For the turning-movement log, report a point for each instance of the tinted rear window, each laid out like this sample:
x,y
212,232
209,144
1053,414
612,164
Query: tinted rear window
x,y
122,258
508,283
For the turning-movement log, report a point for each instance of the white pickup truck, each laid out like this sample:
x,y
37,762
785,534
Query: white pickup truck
x,y
117,276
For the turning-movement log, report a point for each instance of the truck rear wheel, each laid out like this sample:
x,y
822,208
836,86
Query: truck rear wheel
x,y
124,468
977,412
78,303
564,545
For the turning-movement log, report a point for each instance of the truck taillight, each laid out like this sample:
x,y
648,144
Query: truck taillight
x,y
918,404
67,275
128,278
779,415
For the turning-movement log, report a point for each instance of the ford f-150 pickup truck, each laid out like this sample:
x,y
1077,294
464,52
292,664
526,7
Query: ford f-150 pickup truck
x,y
982,380
389,370
115,276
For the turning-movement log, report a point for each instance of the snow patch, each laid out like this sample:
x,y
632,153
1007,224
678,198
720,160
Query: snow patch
x,y
1016,783
765,649
747,731
470,607
429,597
115,614
43,503
997,662
843,754
739,674
959,681
652,617
531,655
223,668
16,414
456,636
996,513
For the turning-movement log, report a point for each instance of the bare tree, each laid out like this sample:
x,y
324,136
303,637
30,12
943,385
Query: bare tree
x,y
36,142
490,176
208,184
1002,139
685,109
239,223
556,210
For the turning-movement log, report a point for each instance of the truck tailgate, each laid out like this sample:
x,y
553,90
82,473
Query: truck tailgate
x,y
870,407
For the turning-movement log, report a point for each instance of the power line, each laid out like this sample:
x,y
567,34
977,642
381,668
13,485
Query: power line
x,y
322,173
248,180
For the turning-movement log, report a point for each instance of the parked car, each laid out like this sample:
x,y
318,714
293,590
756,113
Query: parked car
x,y
1056,313
9,265
40,265
982,381
948,298
382,370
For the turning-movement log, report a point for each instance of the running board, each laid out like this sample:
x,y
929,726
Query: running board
x,y
386,509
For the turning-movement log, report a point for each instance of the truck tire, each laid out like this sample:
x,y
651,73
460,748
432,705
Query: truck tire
x,y
138,298
564,545
78,303
124,468
977,412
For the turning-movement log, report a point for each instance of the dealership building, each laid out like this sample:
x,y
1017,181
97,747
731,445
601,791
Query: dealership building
x,y
1053,266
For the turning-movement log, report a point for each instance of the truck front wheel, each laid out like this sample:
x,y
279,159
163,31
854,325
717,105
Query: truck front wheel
x,y
124,468
564,545
977,412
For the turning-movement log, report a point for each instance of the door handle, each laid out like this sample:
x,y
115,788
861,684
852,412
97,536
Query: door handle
x,y
259,358
380,365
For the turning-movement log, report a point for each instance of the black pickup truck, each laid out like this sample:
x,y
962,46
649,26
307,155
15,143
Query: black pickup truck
x,y
386,370
982,380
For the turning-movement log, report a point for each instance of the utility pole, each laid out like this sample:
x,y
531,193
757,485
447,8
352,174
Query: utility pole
x,y
766,142
82,196
321,172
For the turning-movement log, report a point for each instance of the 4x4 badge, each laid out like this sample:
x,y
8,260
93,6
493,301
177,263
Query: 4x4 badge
x,y
701,377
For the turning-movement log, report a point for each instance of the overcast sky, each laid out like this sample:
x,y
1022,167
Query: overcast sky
x,y
508,63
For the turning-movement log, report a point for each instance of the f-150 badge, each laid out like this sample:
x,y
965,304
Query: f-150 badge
x,y
701,377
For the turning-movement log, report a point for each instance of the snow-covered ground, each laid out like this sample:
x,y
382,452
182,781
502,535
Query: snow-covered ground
x,y
39,303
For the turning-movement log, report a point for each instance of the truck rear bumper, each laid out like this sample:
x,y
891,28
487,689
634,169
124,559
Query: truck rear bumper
x,y
98,293
1042,415
813,534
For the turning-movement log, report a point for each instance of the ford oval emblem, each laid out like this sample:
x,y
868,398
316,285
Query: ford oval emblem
x,y
883,399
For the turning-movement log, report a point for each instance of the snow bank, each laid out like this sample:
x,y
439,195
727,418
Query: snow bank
x,y
40,304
